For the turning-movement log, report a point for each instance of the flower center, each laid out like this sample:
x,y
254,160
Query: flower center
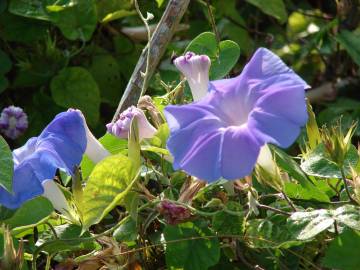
x,y
12,122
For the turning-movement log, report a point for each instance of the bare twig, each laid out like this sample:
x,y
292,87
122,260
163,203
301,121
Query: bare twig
x,y
160,38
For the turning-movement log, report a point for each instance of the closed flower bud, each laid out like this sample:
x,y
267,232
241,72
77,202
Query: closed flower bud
x,y
336,143
196,70
173,213
267,171
146,103
12,259
13,122
121,127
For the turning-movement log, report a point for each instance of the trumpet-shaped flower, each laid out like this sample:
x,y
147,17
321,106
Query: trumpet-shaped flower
x,y
121,127
195,68
221,134
13,122
61,145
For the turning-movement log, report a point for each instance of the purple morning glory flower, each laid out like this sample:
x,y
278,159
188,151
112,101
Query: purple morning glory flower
x,y
13,122
60,145
221,134
121,127
195,68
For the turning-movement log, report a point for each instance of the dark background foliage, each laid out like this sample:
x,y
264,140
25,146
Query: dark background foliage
x,y
82,55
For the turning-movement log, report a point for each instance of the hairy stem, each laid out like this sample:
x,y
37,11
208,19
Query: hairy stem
x,y
146,73
157,46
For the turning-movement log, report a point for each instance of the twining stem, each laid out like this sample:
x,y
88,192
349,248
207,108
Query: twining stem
x,y
290,203
146,73
343,177
266,207
159,40
212,21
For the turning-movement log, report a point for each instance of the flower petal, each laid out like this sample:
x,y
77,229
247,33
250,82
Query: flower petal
x,y
65,137
239,153
24,151
25,187
289,103
263,74
203,160
182,143
270,128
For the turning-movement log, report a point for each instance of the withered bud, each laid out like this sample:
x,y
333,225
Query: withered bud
x,y
146,103
174,213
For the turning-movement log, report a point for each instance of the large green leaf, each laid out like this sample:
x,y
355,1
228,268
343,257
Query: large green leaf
x,y
109,10
316,193
106,72
348,215
189,248
74,87
220,221
274,8
317,163
127,232
31,8
76,20
306,225
288,164
269,233
30,213
6,166
223,57
67,233
343,252
351,43
111,143
108,184
18,29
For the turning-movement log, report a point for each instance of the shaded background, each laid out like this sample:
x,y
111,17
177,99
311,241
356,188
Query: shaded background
x,y
60,54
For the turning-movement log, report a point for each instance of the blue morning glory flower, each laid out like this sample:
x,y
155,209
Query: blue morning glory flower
x,y
221,134
60,145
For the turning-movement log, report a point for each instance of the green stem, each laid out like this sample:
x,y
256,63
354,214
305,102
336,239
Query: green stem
x,y
290,203
146,73
266,207
343,177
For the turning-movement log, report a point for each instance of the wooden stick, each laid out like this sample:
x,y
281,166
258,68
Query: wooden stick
x,y
159,41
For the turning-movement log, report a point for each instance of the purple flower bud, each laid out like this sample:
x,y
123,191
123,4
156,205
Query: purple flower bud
x,y
196,70
121,127
13,122
174,213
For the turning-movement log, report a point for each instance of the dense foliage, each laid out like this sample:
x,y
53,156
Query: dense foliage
x,y
132,210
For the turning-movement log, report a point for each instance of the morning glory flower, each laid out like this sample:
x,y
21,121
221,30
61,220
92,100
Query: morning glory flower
x,y
221,134
60,145
121,127
13,122
195,68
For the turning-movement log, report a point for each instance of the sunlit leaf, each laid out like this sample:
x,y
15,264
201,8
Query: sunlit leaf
x,y
223,56
318,163
108,184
